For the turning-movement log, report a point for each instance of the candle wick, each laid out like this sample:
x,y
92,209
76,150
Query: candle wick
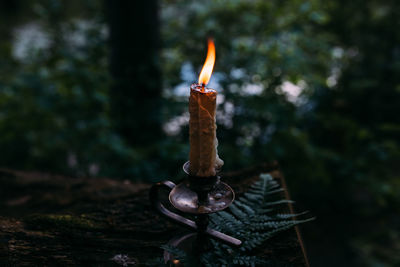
x,y
202,87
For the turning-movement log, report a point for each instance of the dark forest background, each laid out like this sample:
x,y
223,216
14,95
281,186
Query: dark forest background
x,y
100,88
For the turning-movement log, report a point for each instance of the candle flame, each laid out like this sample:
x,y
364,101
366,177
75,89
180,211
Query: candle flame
x,y
208,66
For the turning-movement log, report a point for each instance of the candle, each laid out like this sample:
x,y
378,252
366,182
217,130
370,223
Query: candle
x,y
204,159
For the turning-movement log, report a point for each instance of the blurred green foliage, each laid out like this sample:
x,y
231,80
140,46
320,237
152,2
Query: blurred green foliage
x,y
312,84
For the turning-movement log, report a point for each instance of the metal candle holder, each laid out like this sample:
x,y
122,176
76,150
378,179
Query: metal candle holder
x,y
197,196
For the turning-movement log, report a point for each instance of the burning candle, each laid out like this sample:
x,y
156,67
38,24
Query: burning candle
x,y
204,159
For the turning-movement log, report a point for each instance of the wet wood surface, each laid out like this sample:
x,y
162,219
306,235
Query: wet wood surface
x,y
49,220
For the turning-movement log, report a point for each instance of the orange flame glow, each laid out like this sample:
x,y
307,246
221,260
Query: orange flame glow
x,y
208,66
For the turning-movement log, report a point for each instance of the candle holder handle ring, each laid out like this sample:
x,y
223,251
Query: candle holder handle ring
x,y
154,196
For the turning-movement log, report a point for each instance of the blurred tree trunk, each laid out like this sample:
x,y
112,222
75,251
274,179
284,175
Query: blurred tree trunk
x,y
10,12
134,64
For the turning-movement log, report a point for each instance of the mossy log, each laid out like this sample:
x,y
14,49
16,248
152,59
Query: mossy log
x,y
48,220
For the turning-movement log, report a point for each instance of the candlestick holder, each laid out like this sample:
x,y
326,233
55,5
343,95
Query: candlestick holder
x,y
198,196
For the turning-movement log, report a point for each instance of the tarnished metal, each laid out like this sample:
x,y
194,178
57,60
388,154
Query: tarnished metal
x,y
198,196
186,200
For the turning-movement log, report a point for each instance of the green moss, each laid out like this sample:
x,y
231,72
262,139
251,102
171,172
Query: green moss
x,y
62,222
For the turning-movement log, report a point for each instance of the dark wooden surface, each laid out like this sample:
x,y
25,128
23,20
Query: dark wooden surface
x,y
49,220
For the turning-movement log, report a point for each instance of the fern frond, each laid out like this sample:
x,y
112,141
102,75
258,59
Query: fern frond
x,y
253,219
288,216
278,202
275,224
245,208
236,211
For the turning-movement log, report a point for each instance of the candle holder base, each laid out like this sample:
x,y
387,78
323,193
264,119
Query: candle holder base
x,y
183,198
197,196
